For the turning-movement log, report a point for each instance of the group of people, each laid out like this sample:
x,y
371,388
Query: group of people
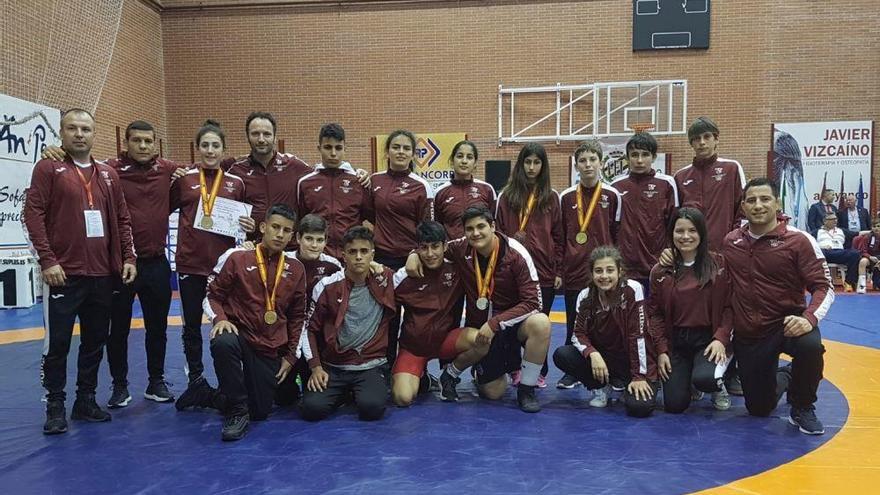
x,y
848,238
352,282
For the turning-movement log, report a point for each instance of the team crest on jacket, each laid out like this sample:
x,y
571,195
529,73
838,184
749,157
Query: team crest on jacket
x,y
603,202
775,243
383,282
719,174
404,187
106,175
320,270
346,186
475,193
651,192
230,188
448,276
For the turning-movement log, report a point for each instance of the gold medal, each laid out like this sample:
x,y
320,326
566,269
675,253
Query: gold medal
x,y
482,304
208,199
584,217
207,222
486,283
581,238
270,317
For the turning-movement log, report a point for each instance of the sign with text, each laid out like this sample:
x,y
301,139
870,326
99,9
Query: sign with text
x,y
807,155
431,156
26,130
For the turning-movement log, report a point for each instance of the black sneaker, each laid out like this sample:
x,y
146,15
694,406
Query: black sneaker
x,y
525,398
806,421
235,427
567,382
198,394
447,387
56,422
86,409
734,386
119,397
158,391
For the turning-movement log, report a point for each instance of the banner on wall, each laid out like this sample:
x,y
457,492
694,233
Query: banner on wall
x,y
807,155
431,155
20,147
615,162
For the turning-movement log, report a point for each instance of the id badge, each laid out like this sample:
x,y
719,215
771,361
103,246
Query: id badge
x,y
94,223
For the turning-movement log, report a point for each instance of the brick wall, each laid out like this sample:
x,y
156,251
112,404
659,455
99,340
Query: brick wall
x,y
437,68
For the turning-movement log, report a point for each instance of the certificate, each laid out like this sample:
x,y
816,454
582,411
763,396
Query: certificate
x,y
224,217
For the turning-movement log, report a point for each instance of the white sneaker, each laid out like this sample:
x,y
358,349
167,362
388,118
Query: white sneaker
x,y
721,399
600,397
861,289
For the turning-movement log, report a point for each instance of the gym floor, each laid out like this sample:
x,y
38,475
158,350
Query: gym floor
x,y
434,447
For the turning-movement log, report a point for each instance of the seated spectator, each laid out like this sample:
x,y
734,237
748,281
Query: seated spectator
x,y
853,220
869,246
831,239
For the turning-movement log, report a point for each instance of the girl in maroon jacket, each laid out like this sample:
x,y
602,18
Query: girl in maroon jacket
x,y
690,315
462,191
611,348
198,250
528,211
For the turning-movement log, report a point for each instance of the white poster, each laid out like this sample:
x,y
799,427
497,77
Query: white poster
x,y
809,154
20,148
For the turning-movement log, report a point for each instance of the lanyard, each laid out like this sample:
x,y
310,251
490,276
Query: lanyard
x,y
208,200
486,284
524,215
585,217
87,184
261,265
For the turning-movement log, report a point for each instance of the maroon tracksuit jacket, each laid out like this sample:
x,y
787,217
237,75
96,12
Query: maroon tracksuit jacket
x,y
338,197
147,191
427,303
544,235
236,294
601,231
769,276
198,250
317,269
266,186
517,292
54,219
679,301
330,299
620,334
715,187
871,247
452,198
651,200
401,200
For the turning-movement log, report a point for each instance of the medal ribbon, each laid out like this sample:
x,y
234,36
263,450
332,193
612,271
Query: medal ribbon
x,y
208,200
585,217
524,215
261,265
87,184
486,285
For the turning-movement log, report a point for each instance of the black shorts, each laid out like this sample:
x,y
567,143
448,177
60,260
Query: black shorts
x,y
505,355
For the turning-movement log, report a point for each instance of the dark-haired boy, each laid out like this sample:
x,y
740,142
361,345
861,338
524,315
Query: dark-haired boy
x,y
332,190
347,338
504,303
256,300
711,184
650,203
771,265
430,326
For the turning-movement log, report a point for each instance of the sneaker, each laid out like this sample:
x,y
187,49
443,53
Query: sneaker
x,y
235,427
198,394
447,387
158,391
428,383
861,289
56,422
696,395
514,378
542,381
600,397
86,409
806,421
525,398
119,397
721,399
567,382
734,386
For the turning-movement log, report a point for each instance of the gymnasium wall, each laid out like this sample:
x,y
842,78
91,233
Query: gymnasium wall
x,y
437,67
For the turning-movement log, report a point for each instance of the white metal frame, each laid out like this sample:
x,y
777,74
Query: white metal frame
x,y
672,91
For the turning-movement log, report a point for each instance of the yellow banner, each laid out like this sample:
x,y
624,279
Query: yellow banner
x,y
431,155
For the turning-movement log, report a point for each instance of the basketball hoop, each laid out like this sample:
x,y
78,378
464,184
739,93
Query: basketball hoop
x,y
641,127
